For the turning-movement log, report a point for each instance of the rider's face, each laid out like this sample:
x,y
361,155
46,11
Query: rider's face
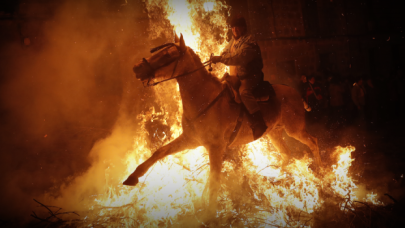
x,y
238,31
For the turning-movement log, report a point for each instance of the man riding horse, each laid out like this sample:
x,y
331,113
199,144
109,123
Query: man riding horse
x,y
243,56
209,118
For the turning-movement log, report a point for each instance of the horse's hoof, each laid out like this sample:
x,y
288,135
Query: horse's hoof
x,y
131,181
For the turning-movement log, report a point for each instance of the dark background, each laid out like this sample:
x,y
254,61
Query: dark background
x,y
351,38
65,75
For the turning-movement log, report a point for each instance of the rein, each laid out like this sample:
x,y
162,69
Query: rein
x,y
178,76
200,113
175,67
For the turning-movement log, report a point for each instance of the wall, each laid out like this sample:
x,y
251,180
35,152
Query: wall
x,y
350,38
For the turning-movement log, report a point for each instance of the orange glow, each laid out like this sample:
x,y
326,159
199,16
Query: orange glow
x,y
174,186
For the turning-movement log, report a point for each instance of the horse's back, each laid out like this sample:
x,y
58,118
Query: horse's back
x,y
284,110
287,94
292,108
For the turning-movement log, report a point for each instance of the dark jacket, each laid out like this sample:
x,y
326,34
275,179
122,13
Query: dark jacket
x,y
246,57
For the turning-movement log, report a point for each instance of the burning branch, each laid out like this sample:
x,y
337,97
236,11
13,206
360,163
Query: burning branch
x,y
53,215
392,198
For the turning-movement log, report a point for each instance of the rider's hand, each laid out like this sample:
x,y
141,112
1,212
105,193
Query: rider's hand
x,y
216,59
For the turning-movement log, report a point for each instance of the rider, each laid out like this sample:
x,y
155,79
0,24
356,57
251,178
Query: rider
x,y
243,56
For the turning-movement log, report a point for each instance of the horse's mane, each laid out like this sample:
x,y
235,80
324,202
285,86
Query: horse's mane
x,y
197,59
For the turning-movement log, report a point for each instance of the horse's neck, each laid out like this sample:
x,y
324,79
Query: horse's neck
x,y
197,90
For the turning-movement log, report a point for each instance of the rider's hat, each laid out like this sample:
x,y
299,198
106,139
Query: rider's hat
x,y
238,21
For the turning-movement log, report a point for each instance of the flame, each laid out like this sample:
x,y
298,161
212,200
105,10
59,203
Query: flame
x,y
372,198
173,187
202,24
343,183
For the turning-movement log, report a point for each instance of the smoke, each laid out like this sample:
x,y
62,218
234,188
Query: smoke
x,y
66,88
69,102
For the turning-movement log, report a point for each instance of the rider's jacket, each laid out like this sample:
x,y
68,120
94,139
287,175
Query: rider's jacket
x,y
245,55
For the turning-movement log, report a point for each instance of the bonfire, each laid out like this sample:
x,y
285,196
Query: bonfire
x,y
256,191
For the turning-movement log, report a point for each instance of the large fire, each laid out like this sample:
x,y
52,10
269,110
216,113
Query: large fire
x,y
255,189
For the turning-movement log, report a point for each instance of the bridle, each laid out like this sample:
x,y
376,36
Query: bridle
x,y
151,70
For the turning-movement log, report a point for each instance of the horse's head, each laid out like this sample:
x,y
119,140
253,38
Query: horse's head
x,y
163,56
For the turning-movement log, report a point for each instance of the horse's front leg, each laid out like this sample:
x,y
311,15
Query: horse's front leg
x,y
216,156
181,143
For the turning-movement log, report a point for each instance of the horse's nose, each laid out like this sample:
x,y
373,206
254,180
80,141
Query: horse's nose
x,y
143,70
137,69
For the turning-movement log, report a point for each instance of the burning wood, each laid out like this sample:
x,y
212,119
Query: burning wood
x,y
256,191
267,194
54,216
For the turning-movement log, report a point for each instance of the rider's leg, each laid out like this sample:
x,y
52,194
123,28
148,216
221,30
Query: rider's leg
x,y
255,115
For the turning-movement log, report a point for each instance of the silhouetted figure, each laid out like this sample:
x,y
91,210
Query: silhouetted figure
x,y
336,102
359,99
371,105
313,97
302,86
302,89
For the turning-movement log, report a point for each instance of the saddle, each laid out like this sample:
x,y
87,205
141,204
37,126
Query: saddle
x,y
263,92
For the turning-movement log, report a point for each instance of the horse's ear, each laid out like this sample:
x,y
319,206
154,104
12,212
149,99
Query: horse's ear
x,y
176,38
183,47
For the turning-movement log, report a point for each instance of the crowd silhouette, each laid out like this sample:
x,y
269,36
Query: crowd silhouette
x,y
367,102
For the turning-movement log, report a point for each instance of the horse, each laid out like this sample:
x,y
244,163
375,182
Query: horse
x,y
209,117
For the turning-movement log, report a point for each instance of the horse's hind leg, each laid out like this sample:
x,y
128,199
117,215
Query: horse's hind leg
x,y
276,136
304,137
177,145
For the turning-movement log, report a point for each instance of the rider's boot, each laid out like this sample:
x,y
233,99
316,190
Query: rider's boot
x,y
257,124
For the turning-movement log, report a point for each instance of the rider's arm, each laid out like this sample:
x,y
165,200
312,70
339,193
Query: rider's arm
x,y
243,55
227,49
